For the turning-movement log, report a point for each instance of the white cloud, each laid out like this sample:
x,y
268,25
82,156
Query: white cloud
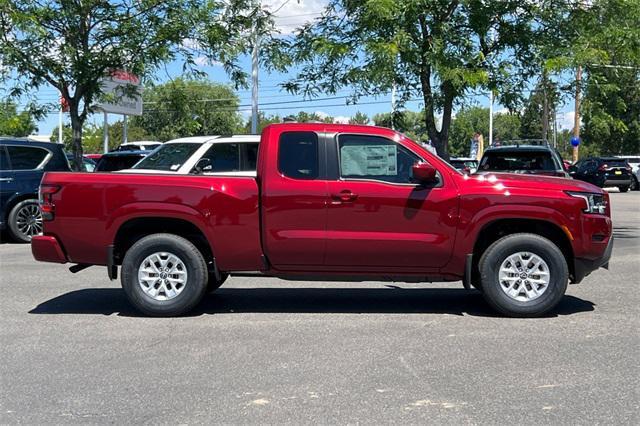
x,y
203,61
342,119
292,14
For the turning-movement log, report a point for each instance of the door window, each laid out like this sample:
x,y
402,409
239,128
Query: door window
x,y
375,158
26,157
298,155
224,157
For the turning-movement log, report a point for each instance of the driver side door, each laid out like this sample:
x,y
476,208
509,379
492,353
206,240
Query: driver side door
x,y
379,219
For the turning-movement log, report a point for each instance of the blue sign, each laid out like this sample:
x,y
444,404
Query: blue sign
x,y
575,141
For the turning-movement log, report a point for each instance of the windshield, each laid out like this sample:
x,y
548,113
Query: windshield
x,y
112,163
517,160
169,157
614,162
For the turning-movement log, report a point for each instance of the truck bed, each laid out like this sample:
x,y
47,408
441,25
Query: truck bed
x,y
91,207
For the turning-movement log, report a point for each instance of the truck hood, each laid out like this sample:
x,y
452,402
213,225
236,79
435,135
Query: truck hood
x,y
513,180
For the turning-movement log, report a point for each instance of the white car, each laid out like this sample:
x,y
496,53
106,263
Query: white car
x,y
634,162
207,155
139,146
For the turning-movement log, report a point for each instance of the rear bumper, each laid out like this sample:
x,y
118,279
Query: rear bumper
x,y
584,267
47,249
623,181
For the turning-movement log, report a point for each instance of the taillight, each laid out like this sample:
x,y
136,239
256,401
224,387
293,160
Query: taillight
x,y
45,199
603,168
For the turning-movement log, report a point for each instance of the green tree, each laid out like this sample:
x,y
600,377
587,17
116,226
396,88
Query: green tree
x,y
533,123
468,121
263,121
359,118
72,45
93,136
410,123
603,38
14,123
181,108
435,50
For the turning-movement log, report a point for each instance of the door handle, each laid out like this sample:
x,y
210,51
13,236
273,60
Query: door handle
x,y
6,179
345,196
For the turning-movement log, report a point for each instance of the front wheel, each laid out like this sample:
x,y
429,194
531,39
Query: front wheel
x,y
523,275
164,275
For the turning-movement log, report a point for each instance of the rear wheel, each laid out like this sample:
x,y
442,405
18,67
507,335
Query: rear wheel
x,y
25,221
164,275
523,275
623,188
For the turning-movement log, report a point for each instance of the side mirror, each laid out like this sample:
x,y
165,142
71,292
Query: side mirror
x,y
203,165
424,173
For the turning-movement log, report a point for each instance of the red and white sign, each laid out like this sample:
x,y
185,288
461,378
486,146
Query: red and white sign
x,y
123,89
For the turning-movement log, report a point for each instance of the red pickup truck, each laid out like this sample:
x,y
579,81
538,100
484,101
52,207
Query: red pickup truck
x,y
334,202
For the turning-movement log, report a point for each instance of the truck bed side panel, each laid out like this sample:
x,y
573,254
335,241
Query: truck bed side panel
x,y
91,207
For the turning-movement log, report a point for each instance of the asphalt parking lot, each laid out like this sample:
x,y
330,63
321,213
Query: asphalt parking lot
x,y
270,351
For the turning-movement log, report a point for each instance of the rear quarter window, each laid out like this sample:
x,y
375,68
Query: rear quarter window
x,y
26,157
298,156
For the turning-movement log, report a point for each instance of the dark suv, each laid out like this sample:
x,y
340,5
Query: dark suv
x,y
604,172
22,164
525,158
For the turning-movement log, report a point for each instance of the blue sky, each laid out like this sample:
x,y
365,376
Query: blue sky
x,y
290,14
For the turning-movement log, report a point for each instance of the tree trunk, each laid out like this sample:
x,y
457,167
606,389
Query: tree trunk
x,y
76,138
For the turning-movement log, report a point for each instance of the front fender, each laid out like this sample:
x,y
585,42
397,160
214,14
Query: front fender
x,y
471,224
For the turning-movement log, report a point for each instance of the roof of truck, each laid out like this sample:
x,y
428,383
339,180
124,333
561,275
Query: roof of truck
x,y
217,139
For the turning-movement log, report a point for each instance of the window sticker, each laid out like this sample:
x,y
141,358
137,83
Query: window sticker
x,y
369,160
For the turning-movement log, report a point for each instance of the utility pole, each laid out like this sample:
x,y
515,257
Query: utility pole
x,y
125,136
393,106
105,134
254,72
491,118
576,123
555,129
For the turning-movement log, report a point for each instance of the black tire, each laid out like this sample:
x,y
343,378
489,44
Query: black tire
x,y
499,251
623,188
196,270
214,284
25,210
634,184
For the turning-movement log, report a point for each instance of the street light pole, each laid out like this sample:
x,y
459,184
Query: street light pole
x,y
254,73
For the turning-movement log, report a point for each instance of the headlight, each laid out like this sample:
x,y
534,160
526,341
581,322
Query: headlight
x,y
595,203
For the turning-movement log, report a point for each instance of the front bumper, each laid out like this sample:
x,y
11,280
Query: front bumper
x,y
583,267
47,249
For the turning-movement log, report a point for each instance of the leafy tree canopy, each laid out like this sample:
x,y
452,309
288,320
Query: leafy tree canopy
x,y
72,45
433,50
181,108
14,123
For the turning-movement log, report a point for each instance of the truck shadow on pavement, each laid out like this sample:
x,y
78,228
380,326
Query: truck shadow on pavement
x,y
108,301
